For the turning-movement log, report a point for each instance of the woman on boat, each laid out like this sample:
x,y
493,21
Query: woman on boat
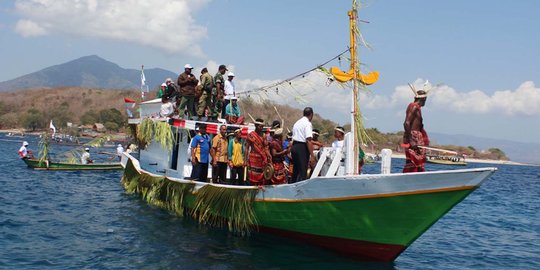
x,y
278,157
258,155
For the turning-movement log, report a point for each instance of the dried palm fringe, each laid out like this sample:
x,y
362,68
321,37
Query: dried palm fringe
x,y
219,206
215,206
158,191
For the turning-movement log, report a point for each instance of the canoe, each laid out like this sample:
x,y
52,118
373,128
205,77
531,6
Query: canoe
x,y
446,160
36,165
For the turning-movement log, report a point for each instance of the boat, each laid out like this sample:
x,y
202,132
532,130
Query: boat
x,y
366,216
444,157
63,166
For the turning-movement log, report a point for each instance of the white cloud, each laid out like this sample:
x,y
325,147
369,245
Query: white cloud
x,y
29,29
525,100
163,24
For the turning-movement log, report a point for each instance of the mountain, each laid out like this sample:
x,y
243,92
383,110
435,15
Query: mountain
x,y
516,151
88,72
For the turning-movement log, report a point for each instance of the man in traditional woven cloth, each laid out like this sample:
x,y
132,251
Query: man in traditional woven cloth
x,y
258,154
415,135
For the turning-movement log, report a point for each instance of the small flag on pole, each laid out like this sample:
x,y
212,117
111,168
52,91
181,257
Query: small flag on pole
x,y
144,87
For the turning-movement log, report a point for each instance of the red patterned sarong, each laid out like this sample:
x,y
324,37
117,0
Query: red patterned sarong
x,y
257,158
415,157
280,173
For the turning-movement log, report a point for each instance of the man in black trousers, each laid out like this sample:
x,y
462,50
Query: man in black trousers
x,y
302,148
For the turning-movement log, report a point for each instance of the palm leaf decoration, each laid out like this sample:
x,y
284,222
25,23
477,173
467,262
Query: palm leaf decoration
x,y
44,145
145,131
213,205
219,206
163,134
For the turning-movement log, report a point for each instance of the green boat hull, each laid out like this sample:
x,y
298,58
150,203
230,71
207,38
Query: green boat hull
x,y
369,226
57,166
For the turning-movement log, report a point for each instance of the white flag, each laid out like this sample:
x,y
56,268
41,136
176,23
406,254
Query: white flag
x,y
51,126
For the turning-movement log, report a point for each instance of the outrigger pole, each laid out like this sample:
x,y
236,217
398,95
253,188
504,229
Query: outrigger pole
x,y
352,154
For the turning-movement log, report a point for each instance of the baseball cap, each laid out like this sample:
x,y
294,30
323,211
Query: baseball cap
x,y
163,84
25,143
223,67
230,74
87,149
188,66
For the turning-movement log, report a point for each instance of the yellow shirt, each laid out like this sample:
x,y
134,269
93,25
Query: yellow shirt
x,y
220,145
237,157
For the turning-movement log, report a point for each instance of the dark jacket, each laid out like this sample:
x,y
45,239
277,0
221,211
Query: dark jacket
x,y
187,84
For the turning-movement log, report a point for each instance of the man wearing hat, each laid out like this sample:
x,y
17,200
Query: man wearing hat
x,y
217,92
23,152
187,83
232,112
85,157
229,91
258,154
415,136
119,151
205,100
339,134
278,157
171,91
162,90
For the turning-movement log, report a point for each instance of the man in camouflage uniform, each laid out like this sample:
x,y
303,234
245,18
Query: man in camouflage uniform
x,y
205,100
217,92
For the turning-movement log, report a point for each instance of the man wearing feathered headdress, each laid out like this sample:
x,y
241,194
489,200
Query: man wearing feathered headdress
x,y
415,135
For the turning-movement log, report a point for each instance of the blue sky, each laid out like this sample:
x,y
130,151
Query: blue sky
x,y
480,56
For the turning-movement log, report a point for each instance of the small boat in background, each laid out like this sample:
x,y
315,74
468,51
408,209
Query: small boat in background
x,y
62,166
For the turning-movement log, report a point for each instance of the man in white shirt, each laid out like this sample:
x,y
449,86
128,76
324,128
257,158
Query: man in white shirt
x,y
302,148
23,152
167,108
85,157
119,151
229,91
339,134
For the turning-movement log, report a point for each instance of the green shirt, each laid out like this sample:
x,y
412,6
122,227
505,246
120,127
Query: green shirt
x,y
219,79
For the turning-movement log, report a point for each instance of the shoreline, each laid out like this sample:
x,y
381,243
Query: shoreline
x,y
483,161
394,155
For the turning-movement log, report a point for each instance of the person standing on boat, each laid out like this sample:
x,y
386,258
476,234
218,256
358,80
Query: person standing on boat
x,y
220,158
317,145
201,142
229,91
205,100
85,157
217,92
278,157
339,134
119,151
162,90
258,155
302,149
23,152
187,83
415,135
237,160
171,91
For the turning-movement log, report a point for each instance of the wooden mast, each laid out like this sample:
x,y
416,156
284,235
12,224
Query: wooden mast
x,y
353,156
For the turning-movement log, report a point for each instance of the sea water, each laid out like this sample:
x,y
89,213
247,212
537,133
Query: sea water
x,y
85,220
